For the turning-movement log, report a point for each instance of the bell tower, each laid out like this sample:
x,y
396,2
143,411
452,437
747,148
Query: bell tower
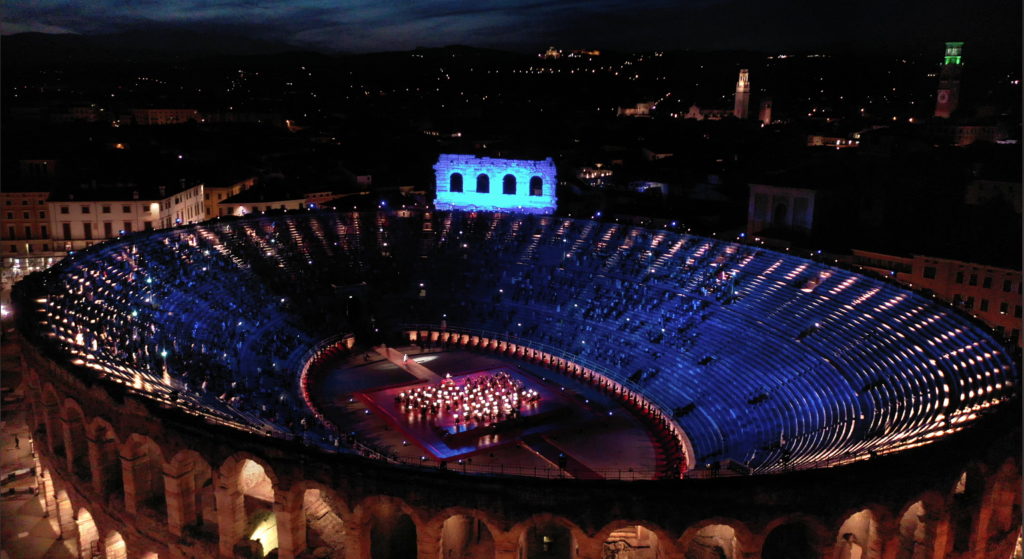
x,y
949,81
739,109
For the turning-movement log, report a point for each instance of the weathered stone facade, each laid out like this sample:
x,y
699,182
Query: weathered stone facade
x,y
467,182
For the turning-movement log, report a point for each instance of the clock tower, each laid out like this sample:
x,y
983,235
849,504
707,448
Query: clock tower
x,y
949,81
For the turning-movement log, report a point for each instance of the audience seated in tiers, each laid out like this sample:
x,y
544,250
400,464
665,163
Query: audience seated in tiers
x,y
778,361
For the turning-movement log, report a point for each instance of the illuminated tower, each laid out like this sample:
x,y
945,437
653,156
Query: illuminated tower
x,y
949,81
739,109
764,114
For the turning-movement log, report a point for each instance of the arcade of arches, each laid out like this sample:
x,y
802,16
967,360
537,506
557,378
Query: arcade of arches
x,y
121,484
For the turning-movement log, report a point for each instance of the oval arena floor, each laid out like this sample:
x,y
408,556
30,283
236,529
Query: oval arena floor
x,y
579,432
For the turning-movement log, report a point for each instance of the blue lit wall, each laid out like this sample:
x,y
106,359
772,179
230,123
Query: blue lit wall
x,y
540,201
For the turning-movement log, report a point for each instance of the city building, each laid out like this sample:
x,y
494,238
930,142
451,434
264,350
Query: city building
x,y
764,112
218,190
25,233
990,293
780,208
159,117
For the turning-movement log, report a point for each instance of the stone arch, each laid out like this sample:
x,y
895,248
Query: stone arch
x,y
88,535
716,537
142,473
483,183
998,525
391,528
633,539
114,546
325,518
466,533
66,518
965,499
919,528
246,486
508,184
794,537
546,536
536,186
455,183
188,489
51,413
76,443
104,460
860,534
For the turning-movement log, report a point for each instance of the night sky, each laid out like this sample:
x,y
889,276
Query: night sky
x,y
529,25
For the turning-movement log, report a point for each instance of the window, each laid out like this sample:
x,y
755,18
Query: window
x,y
987,283
973,280
536,186
67,230
929,272
126,209
42,215
1016,311
13,249
148,225
984,305
24,215
1004,307
106,209
41,202
46,247
64,209
28,232
43,232
10,215
108,230
24,202
10,232
206,196
969,303
508,185
483,184
87,229
7,202
127,227
86,209
1014,335
1007,285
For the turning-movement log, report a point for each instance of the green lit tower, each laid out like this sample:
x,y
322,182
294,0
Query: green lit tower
x,y
949,81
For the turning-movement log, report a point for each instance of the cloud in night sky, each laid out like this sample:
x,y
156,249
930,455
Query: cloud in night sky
x,y
375,25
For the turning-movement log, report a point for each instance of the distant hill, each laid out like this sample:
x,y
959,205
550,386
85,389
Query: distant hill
x,y
41,49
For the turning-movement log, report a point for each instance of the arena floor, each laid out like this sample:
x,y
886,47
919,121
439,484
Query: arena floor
x,y
578,432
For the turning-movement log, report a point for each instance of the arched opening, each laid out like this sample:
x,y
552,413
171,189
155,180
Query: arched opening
x,y
547,540
455,183
143,474
508,185
392,533
257,494
245,494
715,541
466,537
791,541
325,529
76,442
536,186
107,477
631,542
913,533
190,494
113,547
858,537
68,527
967,497
483,183
779,216
88,535
51,430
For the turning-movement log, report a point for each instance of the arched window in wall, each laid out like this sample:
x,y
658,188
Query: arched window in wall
x,y
508,185
536,186
455,184
483,184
